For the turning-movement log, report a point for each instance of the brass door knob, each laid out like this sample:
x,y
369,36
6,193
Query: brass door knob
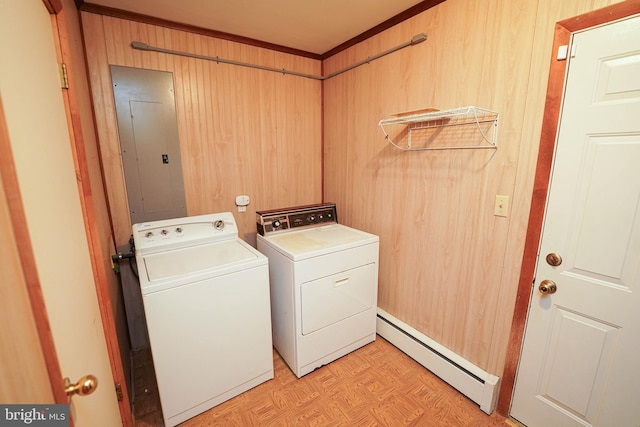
x,y
554,259
547,287
86,385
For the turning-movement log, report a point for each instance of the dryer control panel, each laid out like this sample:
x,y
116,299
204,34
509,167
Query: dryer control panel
x,y
296,217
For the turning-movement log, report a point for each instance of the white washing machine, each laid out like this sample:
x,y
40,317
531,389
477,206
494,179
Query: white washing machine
x,y
206,301
324,284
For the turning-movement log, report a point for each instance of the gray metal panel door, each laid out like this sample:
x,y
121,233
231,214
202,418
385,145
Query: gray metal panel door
x,y
150,148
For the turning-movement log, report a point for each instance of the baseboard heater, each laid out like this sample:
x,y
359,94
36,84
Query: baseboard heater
x,y
478,385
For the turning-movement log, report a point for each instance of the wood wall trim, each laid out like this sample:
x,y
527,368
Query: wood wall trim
x,y
551,117
402,16
74,125
146,19
53,6
601,16
534,229
28,262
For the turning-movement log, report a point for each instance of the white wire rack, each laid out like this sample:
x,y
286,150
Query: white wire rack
x,y
459,128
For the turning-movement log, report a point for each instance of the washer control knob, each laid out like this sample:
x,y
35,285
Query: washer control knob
x,y
148,234
179,230
164,232
276,223
312,218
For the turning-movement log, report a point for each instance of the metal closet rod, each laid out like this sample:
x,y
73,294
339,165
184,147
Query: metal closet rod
x,y
418,38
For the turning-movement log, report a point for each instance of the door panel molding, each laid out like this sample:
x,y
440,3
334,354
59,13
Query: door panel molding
x,y
25,253
555,87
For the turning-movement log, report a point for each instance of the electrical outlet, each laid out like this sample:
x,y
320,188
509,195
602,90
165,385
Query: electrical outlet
x,y
502,206
242,202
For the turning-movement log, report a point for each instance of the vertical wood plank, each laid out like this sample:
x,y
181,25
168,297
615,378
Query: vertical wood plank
x,y
228,118
448,266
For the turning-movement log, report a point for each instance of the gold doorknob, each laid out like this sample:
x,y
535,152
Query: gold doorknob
x,y
547,287
86,385
554,259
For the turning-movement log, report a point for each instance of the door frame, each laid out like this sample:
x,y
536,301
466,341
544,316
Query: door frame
x,y
96,253
19,224
551,117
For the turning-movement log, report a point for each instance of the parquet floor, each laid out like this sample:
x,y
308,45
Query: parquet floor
x,y
376,385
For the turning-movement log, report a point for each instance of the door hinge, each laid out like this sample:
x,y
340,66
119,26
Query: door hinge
x,y
119,392
64,77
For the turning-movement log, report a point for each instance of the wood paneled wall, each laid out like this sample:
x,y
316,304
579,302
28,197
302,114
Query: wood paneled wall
x,y
448,266
241,130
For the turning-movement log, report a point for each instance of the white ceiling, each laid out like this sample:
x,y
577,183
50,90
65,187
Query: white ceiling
x,y
311,26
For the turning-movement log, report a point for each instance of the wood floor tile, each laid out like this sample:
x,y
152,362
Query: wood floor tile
x,y
376,385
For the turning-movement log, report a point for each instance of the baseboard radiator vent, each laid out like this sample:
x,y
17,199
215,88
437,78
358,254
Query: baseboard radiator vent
x,y
478,385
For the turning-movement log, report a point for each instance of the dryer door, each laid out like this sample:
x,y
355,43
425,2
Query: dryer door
x,y
334,298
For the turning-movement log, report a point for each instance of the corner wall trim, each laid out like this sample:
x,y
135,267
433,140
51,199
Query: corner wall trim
x,y
478,385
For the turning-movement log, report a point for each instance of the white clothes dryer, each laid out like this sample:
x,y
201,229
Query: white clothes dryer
x,y
324,284
206,300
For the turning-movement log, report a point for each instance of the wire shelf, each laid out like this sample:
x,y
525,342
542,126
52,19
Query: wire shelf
x,y
460,128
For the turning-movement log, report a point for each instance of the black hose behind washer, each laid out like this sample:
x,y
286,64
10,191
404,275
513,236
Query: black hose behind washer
x,y
131,256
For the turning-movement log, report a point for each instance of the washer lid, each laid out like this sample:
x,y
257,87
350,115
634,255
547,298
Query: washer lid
x,y
320,240
196,259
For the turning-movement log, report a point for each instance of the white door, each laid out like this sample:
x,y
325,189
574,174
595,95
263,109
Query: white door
x,y
39,138
22,359
580,363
